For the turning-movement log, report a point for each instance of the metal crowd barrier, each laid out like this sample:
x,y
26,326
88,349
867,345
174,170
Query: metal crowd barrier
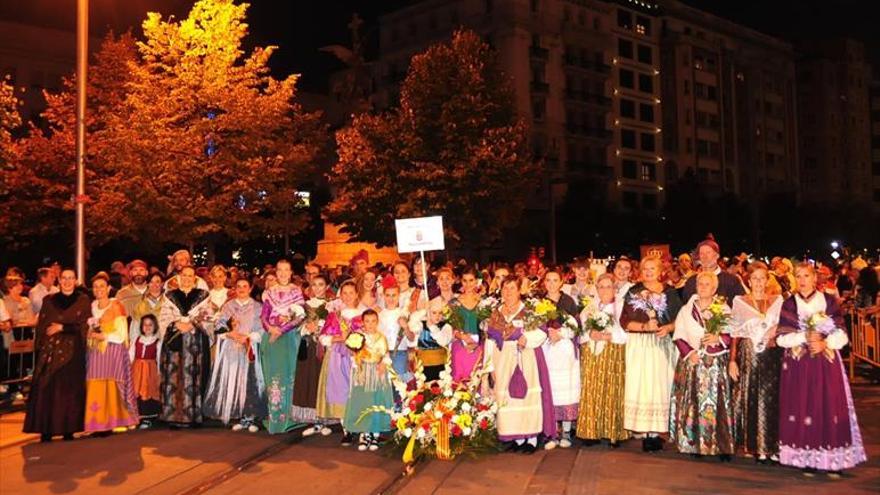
x,y
21,357
864,340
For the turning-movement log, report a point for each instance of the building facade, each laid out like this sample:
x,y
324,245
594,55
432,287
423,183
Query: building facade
x,y
835,128
875,143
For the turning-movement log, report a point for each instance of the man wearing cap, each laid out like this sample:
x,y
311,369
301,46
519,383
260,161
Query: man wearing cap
x,y
728,285
131,294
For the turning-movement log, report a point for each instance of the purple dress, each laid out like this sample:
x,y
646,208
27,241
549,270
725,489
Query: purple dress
x,y
817,420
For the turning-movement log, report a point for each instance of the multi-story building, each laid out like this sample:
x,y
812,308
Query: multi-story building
x,y
875,143
729,113
834,128
37,58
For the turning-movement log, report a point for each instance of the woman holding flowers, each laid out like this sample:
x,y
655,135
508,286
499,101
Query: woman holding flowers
x,y
370,385
469,310
648,316
755,362
603,367
281,314
560,349
334,382
521,382
185,361
818,429
701,418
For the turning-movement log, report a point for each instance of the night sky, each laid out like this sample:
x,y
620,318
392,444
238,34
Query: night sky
x,y
300,27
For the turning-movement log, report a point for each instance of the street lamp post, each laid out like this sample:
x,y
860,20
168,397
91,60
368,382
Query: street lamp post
x,y
82,53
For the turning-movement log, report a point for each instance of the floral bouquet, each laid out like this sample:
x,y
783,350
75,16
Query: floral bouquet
x,y
485,308
539,313
294,313
355,341
817,323
650,303
716,318
315,312
584,303
598,321
441,418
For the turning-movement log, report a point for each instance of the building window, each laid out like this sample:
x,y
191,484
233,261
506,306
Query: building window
x,y
877,195
643,25
597,24
649,172
630,200
534,5
875,168
627,79
687,87
712,93
645,54
624,19
629,169
539,109
646,112
624,48
628,138
648,142
646,83
649,201
627,108
490,4
689,145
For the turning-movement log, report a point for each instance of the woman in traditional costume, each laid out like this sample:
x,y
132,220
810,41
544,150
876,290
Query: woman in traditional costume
x,y
281,315
185,362
648,316
701,418
56,403
818,428
560,352
335,380
466,346
755,362
519,372
111,404
603,367
309,354
150,303
236,390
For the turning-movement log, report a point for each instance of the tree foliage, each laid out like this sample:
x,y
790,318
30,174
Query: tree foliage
x,y
454,147
189,139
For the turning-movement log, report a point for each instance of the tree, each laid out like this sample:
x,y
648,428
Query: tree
x,y
9,121
454,147
43,175
209,145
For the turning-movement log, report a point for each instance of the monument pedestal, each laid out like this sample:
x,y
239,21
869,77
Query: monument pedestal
x,y
337,248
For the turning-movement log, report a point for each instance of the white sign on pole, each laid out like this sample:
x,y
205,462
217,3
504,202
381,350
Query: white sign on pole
x,y
419,234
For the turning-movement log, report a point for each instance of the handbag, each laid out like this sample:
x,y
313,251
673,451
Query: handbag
x,y
518,387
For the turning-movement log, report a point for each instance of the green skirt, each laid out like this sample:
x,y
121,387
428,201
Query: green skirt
x,y
368,389
279,369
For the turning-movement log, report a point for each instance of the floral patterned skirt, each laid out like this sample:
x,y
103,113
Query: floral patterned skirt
x,y
701,415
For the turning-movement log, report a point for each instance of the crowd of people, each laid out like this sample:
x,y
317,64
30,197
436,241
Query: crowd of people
x,y
716,357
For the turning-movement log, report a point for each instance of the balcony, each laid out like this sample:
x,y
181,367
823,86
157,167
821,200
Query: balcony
x,y
575,62
540,87
539,53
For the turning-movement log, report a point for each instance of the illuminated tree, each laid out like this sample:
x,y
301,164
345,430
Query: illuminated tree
x,y
455,147
210,144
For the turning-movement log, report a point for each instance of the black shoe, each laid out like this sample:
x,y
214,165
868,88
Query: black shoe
x,y
656,444
45,438
589,443
695,456
513,447
347,439
725,458
68,437
646,444
528,448
614,445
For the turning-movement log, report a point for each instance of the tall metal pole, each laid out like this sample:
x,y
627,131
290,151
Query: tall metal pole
x,y
82,53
